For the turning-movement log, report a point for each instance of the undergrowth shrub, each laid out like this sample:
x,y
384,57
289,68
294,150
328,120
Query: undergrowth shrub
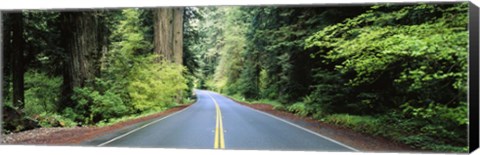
x,y
366,124
94,106
300,109
54,120
156,86
41,92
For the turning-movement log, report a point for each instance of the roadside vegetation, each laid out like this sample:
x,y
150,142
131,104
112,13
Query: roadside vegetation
x,y
396,71
122,77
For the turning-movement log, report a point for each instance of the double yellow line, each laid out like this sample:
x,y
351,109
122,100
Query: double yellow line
x,y
219,142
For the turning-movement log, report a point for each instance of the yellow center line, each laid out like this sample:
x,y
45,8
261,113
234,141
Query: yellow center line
x,y
215,144
219,141
222,142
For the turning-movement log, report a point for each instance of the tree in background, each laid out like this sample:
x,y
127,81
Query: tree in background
x,y
192,37
14,40
268,58
18,64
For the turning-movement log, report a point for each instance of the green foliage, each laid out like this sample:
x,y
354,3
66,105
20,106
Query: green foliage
x,y
42,35
276,105
209,39
41,97
54,120
237,97
411,58
42,93
248,84
329,94
275,43
156,85
299,108
400,129
425,133
128,35
366,124
418,56
438,124
94,106
229,66
115,120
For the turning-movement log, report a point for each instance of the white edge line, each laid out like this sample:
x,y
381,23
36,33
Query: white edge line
x,y
310,131
295,125
121,136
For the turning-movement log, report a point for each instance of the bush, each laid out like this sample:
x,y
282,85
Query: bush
x,y
54,120
300,109
94,106
329,94
417,132
275,104
435,127
156,86
41,92
365,124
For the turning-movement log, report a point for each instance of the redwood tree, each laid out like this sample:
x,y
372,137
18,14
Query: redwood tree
x,y
18,65
168,38
83,46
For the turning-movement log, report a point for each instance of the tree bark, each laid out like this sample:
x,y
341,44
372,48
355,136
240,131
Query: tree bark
x,y
168,38
178,35
163,19
6,54
18,65
82,46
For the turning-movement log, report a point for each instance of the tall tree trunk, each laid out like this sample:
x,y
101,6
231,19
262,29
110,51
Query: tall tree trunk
x,y
168,38
82,46
18,66
6,55
163,18
178,34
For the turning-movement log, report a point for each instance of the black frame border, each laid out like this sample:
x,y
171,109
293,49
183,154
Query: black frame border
x,y
473,78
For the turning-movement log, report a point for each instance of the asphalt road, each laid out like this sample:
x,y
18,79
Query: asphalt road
x,y
216,122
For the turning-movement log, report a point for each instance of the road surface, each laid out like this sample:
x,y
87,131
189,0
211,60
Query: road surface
x,y
216,122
